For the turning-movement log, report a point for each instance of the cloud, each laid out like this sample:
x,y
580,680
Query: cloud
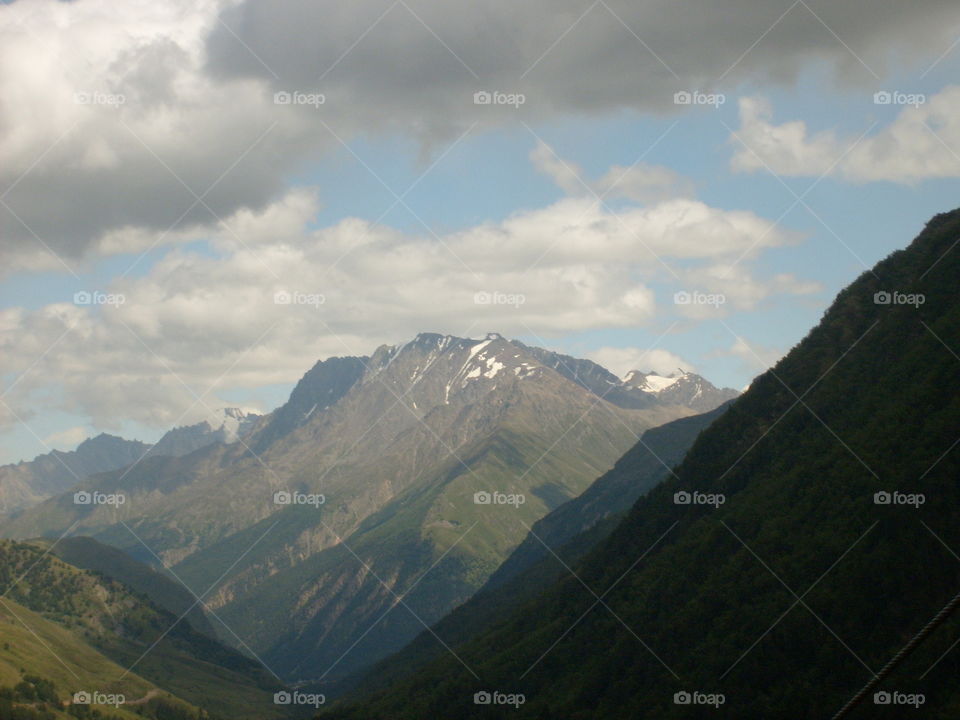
x,y
641,183
119,121
621,361
268,293
111,130
921,143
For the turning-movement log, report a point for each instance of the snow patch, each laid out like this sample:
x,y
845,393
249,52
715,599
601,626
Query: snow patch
x,y
656,383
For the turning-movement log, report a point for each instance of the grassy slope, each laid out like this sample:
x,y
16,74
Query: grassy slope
x,y
31,644
133,632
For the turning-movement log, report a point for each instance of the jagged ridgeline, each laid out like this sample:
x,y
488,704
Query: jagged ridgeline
x,y
830,539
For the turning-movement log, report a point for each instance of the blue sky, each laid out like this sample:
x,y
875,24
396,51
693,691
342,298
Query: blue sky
x,y
483,181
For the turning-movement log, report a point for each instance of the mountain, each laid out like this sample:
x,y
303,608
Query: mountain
x,y
27,483
226,425
553,543
680,388
809,533
133,632
380,496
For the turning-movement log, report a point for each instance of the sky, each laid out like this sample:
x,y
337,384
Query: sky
x,y
200,200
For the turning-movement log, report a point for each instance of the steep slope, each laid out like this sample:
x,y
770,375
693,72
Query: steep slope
x,y
135,633
88,554
641,468
553,543
795,580
27,483
322,387
391,450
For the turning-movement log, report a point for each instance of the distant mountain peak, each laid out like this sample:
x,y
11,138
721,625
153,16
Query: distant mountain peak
x,y
231,422
680,387
224,425
101,440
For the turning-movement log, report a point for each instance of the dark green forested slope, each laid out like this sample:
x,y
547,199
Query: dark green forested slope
x,y
88,554
788,596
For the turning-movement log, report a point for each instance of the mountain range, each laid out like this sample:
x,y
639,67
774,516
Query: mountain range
x,y
380,496
27,483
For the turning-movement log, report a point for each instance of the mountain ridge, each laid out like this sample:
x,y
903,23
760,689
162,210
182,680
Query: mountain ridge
x,y
397,444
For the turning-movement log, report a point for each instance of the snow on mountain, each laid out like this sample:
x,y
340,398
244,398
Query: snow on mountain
x,y
651,382
226,425
680,388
